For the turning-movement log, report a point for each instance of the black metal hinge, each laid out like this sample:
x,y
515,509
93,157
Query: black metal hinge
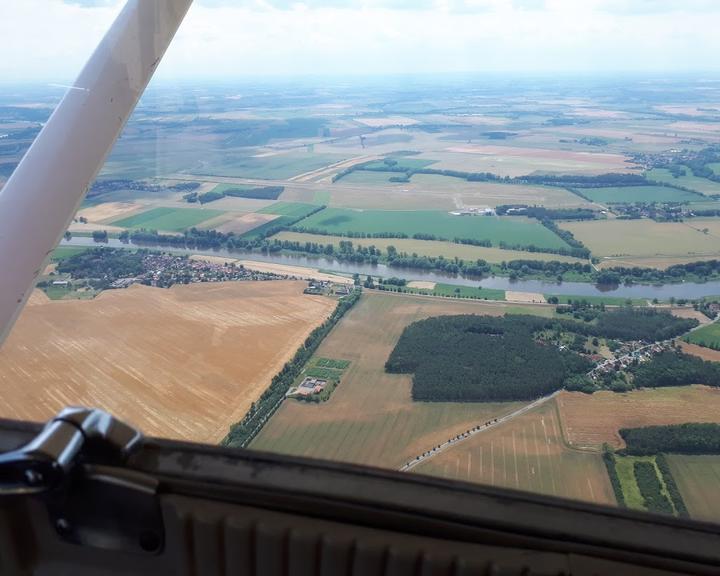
x,y
75,466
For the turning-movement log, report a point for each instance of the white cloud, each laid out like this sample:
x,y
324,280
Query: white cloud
x,y
50,39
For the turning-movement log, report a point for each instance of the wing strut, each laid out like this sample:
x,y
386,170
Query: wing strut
x,y
40,199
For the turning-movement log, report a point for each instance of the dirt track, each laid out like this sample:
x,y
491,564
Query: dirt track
x,y
181,363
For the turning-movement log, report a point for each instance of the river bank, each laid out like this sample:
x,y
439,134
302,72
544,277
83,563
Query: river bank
x,y
682,290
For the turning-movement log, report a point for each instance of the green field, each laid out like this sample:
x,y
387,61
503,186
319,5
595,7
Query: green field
x,y
321,197
698,478
62,293
170,219
512,230
607,300
289,212
278,167
64,252
631,492
631,194
454,291
708,336
430,248
689,180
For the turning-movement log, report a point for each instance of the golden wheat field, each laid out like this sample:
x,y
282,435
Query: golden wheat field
x,y
184,362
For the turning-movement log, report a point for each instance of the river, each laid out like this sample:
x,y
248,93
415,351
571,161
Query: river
x,y
689,290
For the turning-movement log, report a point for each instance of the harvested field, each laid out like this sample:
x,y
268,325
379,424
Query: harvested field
x,y
694,127
698,478
643,238
550,160
690,313
421,285
388,121
701,351
591,420
78,227
524,297
527,453
657,262
181,363
109,211
297,271
371,418
430,248
238,223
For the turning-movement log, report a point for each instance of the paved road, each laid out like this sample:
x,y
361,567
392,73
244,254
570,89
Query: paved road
x,y
476,430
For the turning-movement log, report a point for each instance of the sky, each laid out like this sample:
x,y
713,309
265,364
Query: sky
x,y
49,40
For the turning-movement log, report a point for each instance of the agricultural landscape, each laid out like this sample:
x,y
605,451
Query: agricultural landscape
x,y
507,284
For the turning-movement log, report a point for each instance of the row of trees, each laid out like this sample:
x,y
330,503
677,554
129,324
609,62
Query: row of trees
x,y
640,324
650,488
672,487
544,179
541,213
610,464
690,438
704,270
244,431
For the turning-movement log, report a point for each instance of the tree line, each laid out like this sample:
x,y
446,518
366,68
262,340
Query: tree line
x,y
671,485
243,432
690,438
650,488
610,179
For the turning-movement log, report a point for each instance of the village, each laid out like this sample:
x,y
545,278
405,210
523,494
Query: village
x,y
628,354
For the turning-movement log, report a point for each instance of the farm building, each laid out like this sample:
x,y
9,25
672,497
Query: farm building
x,y
308,387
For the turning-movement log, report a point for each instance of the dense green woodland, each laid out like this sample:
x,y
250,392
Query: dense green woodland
x,y
104,265
676,439
481,359
676,369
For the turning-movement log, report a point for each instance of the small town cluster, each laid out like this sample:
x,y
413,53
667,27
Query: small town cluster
x,y
165,270
628,354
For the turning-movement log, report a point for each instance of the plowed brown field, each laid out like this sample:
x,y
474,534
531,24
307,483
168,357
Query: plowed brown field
x,y
181,363
591,420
